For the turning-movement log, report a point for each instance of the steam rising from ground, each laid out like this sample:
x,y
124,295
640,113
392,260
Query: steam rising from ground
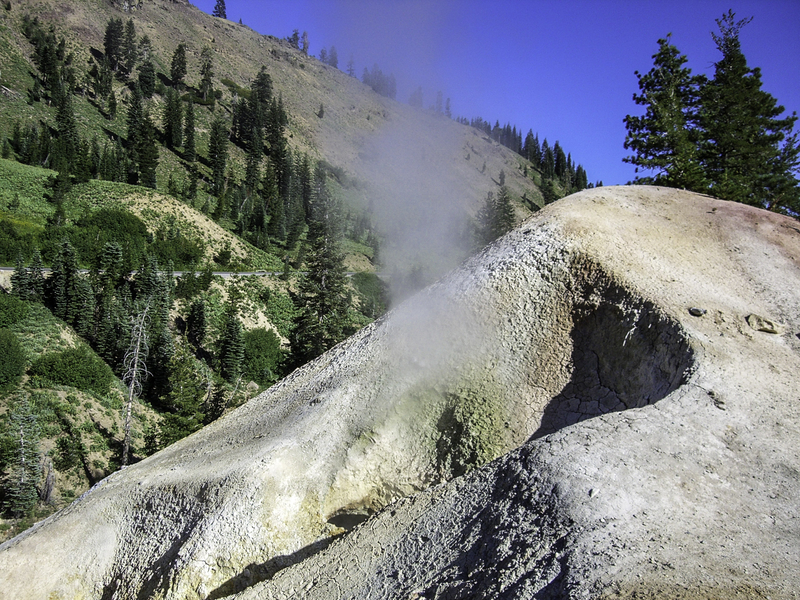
x,y
423,216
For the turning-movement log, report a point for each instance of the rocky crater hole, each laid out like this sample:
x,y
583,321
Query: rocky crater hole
x,y
626,353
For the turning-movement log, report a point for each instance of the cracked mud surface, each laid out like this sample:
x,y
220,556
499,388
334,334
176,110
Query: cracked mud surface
x,y
548,421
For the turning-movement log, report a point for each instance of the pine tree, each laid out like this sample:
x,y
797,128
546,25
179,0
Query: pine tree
x,y
135,372
147,78
36,277
496,217
231,351
135,116
748,152
80,311
206,74
130,51
172,118
178,66
548,161
61,282
68,138
20,279
255,152
218,154
112,106
505,217
260,96
304,43
103,79
219,10
185,398
24,472
113,43
322,301
189,153
276,228
148,153
665,139
196,323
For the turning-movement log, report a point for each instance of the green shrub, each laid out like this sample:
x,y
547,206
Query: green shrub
x,y
262,356
280,311
78,367
69,453
372,293
189,284
12,310
91,233
12,358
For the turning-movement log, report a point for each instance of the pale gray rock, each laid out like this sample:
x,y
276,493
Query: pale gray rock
x,y
548,421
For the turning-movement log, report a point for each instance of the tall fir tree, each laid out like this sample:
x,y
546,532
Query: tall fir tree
x,y
147,152
172,118
748,152
62,281
68,138
20,279
189,152
322,300
218,154
665,139
219,10
134,122
113,43
177,69
207,75
24,471
231,350
134,373
184,402
130,50
147,78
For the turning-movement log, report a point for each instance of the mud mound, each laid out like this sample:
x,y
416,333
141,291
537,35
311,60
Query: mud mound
x,y
550,420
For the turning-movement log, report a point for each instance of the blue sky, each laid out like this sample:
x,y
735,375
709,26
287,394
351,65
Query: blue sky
x,y
564,69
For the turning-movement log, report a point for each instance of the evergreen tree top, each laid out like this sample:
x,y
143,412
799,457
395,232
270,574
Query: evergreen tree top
x,y
219,10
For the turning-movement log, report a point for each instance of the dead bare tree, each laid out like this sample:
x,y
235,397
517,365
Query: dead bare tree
x,y
135,365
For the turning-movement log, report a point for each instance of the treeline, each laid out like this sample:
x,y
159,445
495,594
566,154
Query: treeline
x,y
552,162
723,136
382,84
89,233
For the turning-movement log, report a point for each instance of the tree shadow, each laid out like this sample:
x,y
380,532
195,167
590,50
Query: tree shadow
x,y
257,572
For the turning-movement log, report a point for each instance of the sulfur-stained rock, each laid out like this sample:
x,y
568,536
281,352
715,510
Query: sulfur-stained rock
x,y
547,421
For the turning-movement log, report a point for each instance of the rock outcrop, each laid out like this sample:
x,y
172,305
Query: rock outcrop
x,y
584,410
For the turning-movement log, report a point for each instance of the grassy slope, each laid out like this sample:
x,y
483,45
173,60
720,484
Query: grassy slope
x,y
89,425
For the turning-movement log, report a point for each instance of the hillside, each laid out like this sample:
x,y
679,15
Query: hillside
x,y
408,185
384,154
633,380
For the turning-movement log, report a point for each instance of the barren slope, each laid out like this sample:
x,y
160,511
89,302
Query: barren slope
x,y
643,451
